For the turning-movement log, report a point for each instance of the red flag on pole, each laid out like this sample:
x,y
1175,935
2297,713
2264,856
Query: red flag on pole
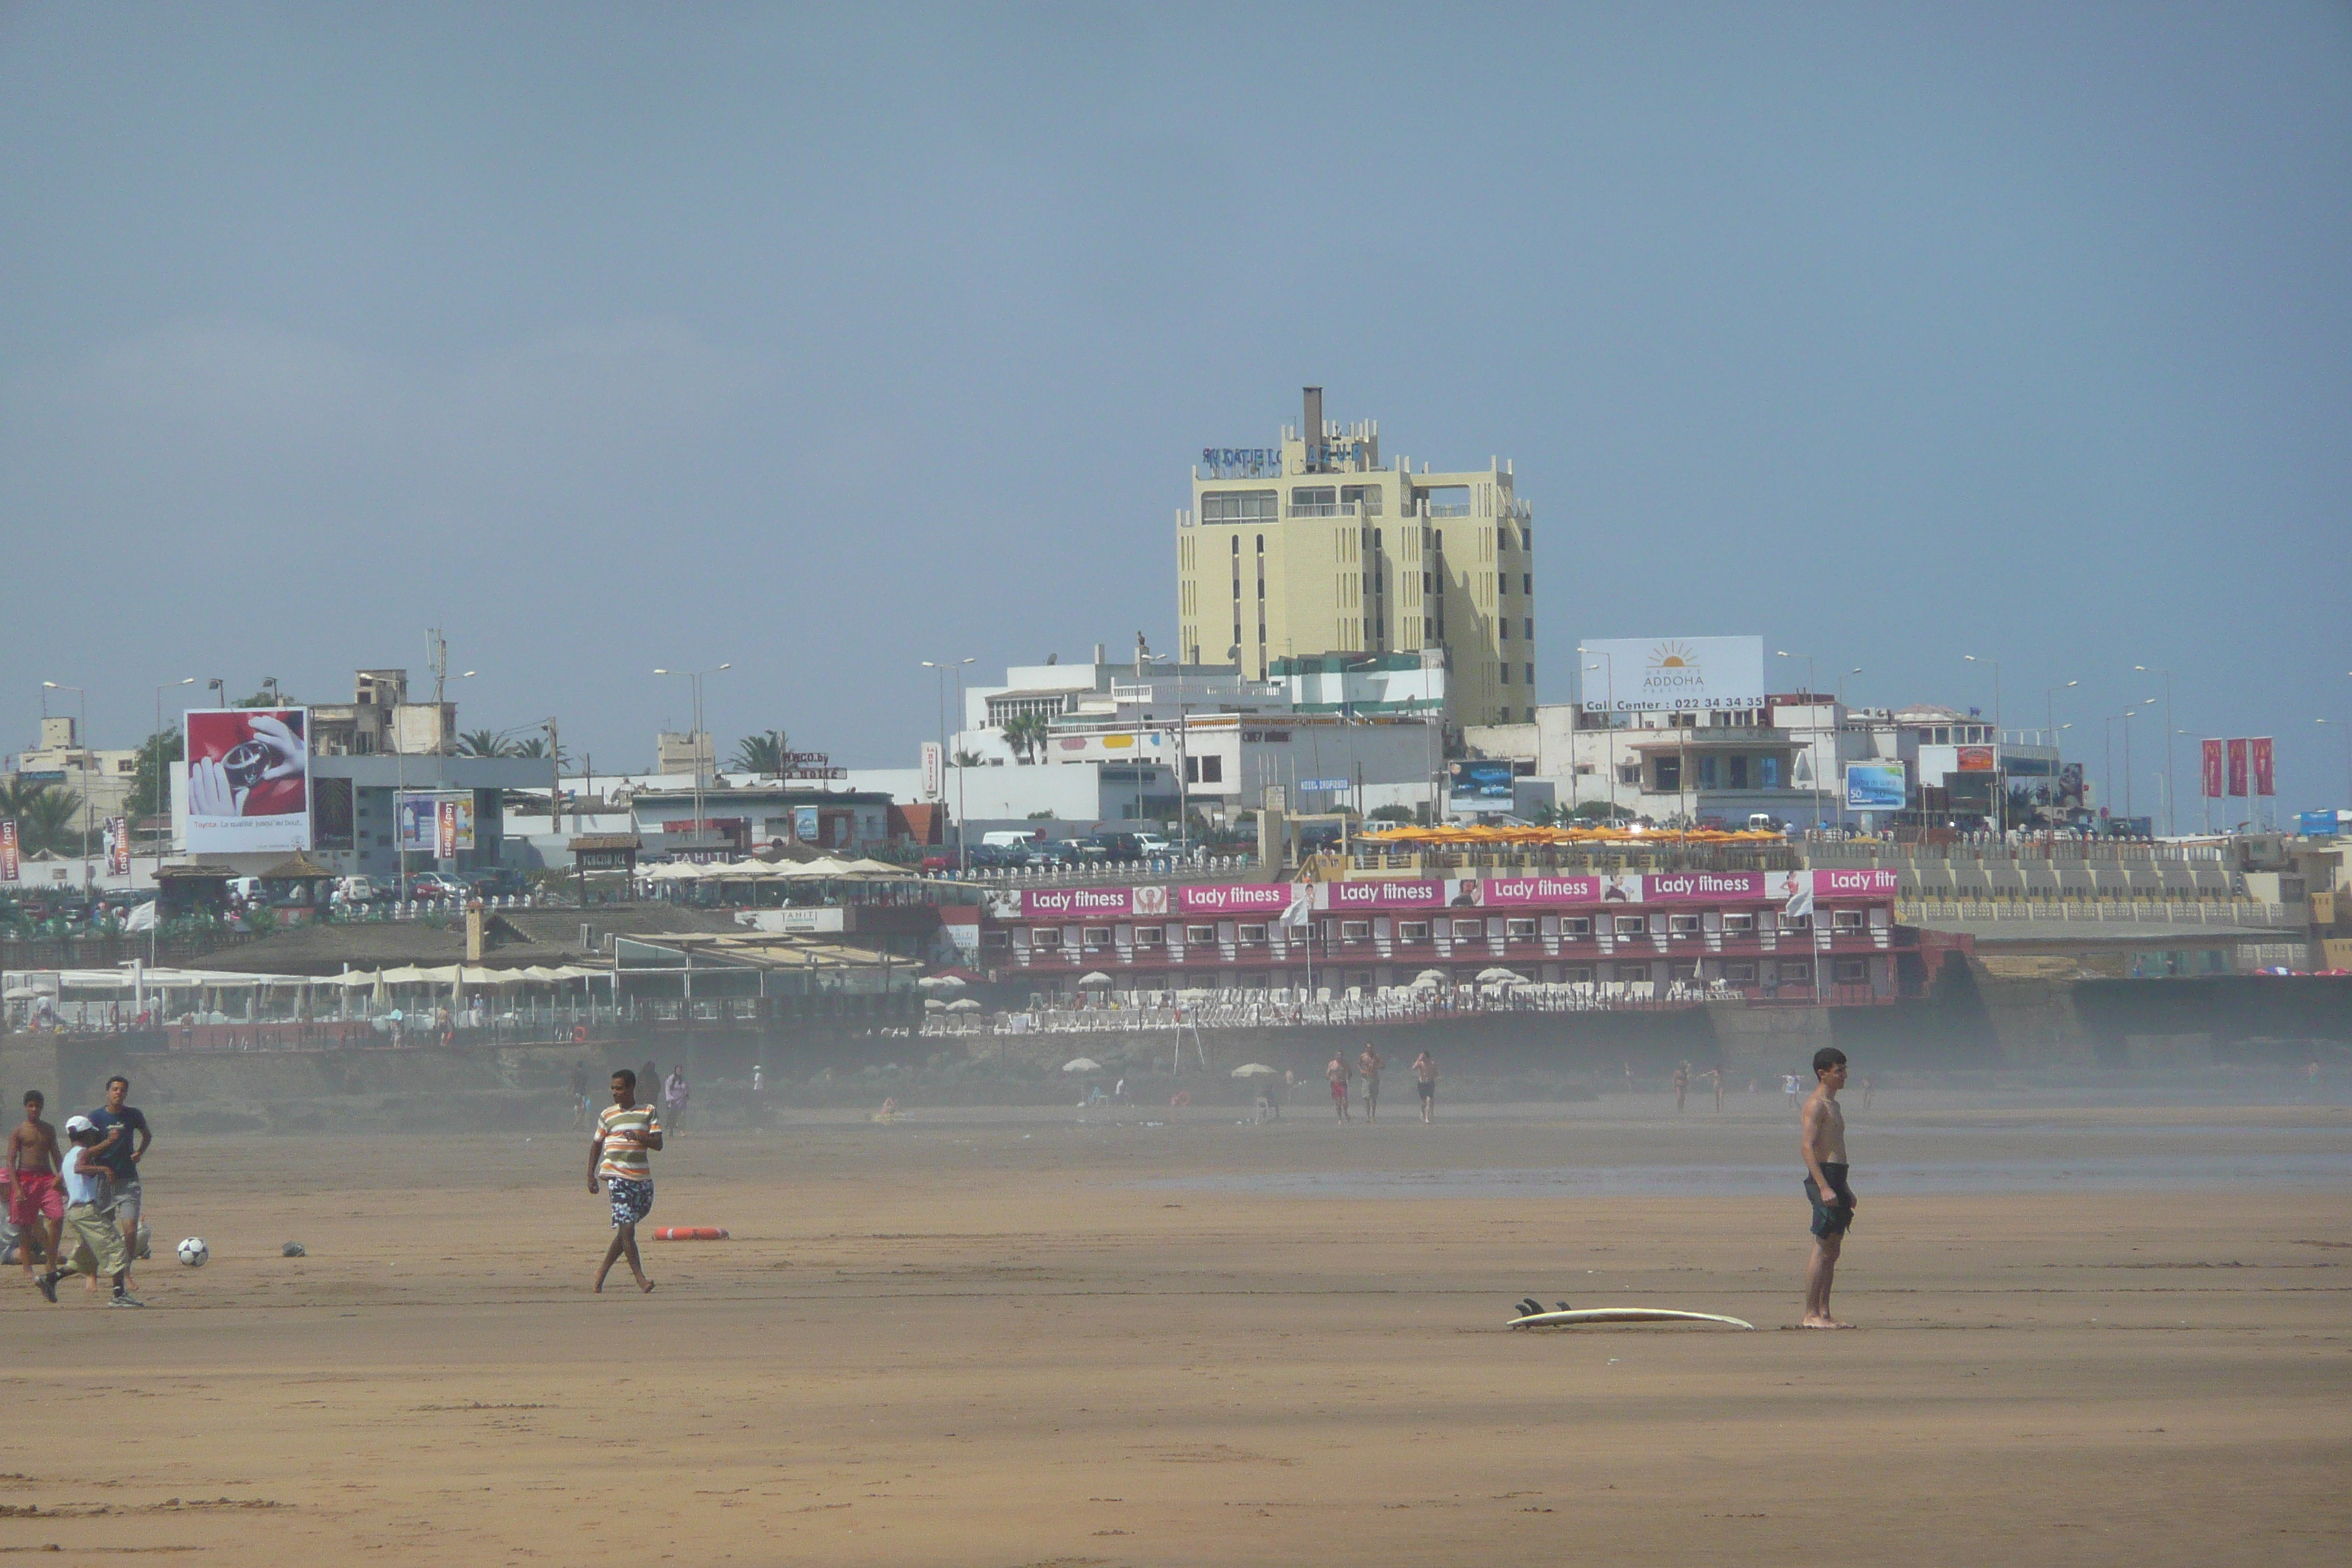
x,y
2212,779
2238,767
2264,778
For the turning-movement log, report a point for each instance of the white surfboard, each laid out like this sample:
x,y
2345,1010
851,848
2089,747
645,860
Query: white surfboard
x,y
1619,1315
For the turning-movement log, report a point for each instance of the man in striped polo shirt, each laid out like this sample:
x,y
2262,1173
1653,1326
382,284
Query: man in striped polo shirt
x,y
621,1152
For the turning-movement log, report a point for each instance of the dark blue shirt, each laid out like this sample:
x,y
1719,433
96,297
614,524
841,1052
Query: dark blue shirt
x,y
118,1159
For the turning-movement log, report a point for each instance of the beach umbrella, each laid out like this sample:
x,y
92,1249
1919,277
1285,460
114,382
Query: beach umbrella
x,y
933,1004
1094,978
1501,976
941,983
966,1005
1435,976
1253,1069
1082,1064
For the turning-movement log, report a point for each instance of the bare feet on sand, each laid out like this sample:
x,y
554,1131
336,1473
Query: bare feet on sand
x,y
1823,1323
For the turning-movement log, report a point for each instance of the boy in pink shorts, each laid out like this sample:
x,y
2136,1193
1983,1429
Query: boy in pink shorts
x,y
36,1204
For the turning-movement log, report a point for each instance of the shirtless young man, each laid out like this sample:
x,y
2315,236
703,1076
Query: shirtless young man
x,y
36,1204
1682,1087
1424,1078
1367,1067
1821,1140
1338,1073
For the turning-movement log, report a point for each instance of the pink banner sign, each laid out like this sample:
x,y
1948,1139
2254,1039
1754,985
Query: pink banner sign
x,y
1703,887
1382,895
1517,893
1236,898
1866,882
1092,903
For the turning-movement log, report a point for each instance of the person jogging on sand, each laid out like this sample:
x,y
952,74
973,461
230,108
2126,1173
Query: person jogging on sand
x,y
85,1178
626,1134
37,1205
1424,1078
1338,1073
1821,1141
1367,1067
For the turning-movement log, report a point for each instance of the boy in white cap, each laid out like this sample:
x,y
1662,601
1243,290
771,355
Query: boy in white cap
x,y
85,1179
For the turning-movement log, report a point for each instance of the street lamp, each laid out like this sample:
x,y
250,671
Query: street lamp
x,y
2346,731
81,735
696,735
1611,741
964,853
1812,705
2169,828
155,758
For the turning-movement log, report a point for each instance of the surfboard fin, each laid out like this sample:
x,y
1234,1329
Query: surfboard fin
x,y
1563,1305
1531,1307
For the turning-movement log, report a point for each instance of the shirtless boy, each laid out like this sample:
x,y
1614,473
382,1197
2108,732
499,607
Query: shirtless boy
x,y
1367,1067
1424,1078
1338,1073
36,1204
1821,1140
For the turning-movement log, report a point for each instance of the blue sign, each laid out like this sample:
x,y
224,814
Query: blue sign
x,y
2318,823
1875,786
1326,783
1242,462
1482,785
804,824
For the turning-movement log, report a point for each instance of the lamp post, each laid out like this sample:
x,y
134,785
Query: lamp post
x,y
1812,706
1611,673
2049,707
81,738
963,854
695,738
2169,828
2000,801
155,758
2346,731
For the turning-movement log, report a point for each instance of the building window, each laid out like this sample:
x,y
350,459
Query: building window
x,y
1683,925
1506,674
1738,771
1314,500
1519,928
1366,496
1254,933
1797,973
1503,629
1850,972
1631,925
1412,931
1580,974
1532,680
1845,920
1740,973
995,939
1238,506
1097,936
1739,922
1199,933
1706,772
1576,925
1045,936
1355,931
1150,936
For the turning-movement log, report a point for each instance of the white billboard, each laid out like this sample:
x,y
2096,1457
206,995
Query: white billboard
x,y
1672,675
248,786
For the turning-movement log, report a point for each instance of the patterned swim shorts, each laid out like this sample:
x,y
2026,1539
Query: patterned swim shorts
x,y
632,1201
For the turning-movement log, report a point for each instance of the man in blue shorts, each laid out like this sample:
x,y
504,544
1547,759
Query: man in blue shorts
x,y
621,1154
1821,1141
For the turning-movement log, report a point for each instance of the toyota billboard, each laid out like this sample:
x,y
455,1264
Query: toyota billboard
x,y
248,773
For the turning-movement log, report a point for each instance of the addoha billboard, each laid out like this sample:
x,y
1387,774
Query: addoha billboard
x,y
249,780
1672,675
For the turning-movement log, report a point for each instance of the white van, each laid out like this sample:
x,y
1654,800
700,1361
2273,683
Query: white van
x,y
1010,838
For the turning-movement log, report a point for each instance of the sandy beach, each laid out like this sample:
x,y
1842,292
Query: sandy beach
x,y
2090,1334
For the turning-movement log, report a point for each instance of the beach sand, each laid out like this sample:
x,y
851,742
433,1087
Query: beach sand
x,y
1019,1338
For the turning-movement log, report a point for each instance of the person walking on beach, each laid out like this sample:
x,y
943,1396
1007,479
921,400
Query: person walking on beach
x,y
1367,1067
1682,1087
1716,1075
36,1204
579,1096
85,1180
126,1197
1821,1141
1424,1078
621,1152
1338,1073
674,1094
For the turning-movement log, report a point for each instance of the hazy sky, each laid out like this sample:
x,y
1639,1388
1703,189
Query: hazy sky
x,y
825,340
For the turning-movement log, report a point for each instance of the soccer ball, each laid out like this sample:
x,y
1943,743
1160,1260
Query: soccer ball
x,y
193,1252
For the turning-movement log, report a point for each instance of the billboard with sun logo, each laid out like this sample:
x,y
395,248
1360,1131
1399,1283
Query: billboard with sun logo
x,y
1672,675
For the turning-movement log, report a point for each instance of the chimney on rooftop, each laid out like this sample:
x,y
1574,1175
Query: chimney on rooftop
x,y
1310,429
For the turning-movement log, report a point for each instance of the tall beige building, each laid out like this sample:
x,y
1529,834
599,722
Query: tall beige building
x,y
1315,547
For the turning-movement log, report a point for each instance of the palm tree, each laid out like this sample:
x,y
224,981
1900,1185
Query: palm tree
x,y
762,753
485,743
46,816
535,747
1027,733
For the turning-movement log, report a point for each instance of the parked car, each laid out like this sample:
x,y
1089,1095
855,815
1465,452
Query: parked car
x,y
500,882
1154,845
1000,857
1112,848
433,886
